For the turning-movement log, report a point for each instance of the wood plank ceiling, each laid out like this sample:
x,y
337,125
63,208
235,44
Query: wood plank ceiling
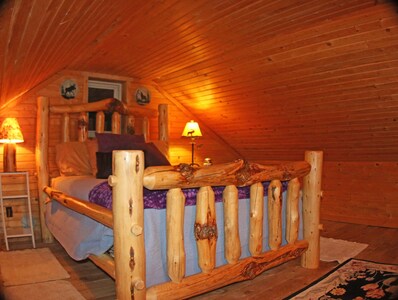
x,y
266,76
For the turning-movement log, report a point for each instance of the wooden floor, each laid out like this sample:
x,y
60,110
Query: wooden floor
x,y
274,284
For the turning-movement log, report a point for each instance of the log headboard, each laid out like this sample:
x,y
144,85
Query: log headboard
x,y
125,119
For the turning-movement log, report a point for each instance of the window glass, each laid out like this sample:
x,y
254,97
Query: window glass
x,y
98,90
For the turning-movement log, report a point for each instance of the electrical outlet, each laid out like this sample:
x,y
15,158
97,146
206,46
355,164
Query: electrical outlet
x,y
9,212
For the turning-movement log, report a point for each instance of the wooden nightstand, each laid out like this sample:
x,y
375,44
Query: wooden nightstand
x,y
20,178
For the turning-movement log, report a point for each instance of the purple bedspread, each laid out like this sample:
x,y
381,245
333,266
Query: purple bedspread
x,y
101,194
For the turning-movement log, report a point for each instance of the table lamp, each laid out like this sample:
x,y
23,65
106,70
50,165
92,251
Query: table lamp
x,y
192,131
10,134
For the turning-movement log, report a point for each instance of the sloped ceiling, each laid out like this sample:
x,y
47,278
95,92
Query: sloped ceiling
x,y
267,76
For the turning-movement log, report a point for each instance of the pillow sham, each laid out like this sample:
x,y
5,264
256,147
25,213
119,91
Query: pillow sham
x,y
104,164
72,159
107,142
92,149
153,157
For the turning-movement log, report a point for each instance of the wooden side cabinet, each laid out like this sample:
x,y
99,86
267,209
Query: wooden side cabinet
x,y
22,193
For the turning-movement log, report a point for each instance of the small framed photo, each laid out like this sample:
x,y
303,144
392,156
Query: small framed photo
x,y
142,96
69,89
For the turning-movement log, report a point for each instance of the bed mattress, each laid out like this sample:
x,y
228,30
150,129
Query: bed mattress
x,y
82,236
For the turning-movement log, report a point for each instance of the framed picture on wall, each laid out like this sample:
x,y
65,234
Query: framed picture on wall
x,y
69,89
142,96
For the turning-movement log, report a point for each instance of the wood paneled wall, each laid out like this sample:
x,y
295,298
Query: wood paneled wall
x,y
361,192
25,161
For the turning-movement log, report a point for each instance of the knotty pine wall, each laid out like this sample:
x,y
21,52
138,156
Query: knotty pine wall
x,y
26,109
363,192
25,161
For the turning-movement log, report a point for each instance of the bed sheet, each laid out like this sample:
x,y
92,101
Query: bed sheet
x,y
82,236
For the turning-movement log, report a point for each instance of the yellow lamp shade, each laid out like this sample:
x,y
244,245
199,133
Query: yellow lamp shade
x,y
10,132
192,129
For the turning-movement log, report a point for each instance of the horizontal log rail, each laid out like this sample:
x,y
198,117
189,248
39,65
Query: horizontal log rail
x,y
238,173
91,210
244,269
109,105
104,262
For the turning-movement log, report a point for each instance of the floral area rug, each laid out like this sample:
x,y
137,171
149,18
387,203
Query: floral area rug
x,y
354,280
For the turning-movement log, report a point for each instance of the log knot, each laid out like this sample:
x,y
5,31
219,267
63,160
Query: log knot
x,y
273,189
245,173
54,194
286,173
130,207
186,171
81,123
130,129
253,269
298,252
116,106
132,259
137,164
206,231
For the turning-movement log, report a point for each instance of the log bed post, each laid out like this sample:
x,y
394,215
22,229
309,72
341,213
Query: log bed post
x,y
145,128
129,125
116,120
82,127
163,122
41,154
65,127
311,206
128,224
100,122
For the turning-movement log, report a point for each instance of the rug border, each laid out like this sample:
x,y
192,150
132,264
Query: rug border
x,y
4,283
330,272
69,284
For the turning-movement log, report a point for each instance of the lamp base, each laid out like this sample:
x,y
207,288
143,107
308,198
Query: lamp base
x,y
193,152
9,158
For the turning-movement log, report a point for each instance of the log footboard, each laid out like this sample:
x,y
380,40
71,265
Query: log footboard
x,y
228,175
128,266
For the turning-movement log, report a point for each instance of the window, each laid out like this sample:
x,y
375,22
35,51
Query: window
x,y
98,90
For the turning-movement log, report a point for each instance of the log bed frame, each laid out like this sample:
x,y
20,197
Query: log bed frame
x,y
128,266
